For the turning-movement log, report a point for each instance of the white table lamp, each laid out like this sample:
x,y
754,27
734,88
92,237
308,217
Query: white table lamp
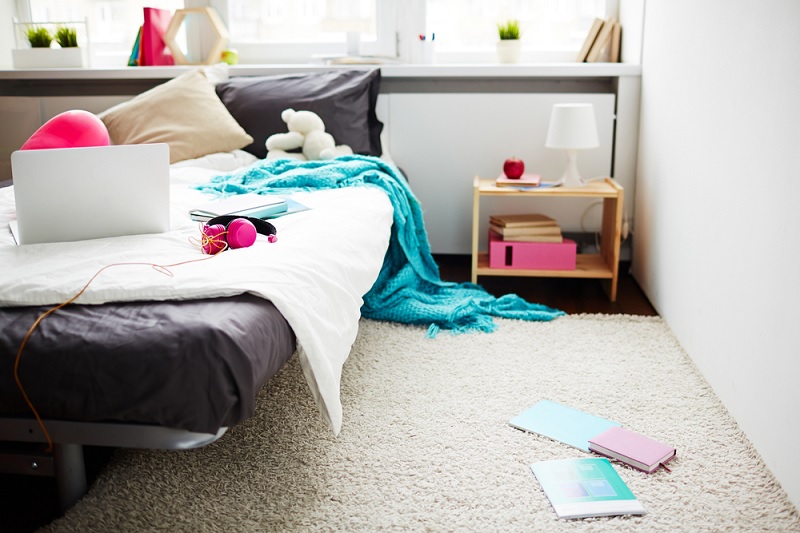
x,y
572,128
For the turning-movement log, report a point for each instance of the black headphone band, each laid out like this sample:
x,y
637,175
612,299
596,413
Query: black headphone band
x,y
262,226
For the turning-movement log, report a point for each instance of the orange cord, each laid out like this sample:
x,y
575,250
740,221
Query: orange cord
x,y
163,269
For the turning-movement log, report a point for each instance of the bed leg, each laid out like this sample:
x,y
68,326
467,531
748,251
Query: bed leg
x,y
70,473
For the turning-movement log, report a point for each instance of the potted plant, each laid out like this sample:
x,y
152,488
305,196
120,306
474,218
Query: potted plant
x,y
509,46
39,37
41,53
66,37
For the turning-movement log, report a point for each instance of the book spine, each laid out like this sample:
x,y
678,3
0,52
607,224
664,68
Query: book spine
x,y
133,60
590,38
601,43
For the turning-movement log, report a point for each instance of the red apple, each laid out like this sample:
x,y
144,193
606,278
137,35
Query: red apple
x,y
513,168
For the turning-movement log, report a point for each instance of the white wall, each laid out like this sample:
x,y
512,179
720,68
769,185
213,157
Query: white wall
x,y
717,210
441,148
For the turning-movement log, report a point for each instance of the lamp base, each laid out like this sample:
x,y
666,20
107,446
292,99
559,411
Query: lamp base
x,y
571,177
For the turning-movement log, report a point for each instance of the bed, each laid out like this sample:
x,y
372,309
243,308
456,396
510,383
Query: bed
x,y
167,348
171,357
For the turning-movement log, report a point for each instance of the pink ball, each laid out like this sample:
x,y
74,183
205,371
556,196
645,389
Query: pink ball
x,y
70,129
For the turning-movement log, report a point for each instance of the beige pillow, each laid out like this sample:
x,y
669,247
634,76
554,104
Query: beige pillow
x,y
185,113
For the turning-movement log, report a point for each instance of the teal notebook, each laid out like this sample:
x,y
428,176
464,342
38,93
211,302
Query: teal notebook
x,y
562,423
243,205
292,206
589,486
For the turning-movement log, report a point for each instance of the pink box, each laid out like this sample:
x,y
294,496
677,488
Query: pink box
x,y
531,255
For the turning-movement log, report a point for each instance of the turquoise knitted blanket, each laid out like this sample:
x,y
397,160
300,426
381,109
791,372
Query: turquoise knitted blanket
x,y
408,289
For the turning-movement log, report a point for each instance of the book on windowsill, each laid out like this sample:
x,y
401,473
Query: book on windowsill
x,y
585,487
614,47
522,221
561,423
633,449
153,49
526,180
531,231
134,58
597,25
600,50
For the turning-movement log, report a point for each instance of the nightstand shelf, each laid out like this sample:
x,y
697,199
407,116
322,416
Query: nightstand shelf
x,y
603,265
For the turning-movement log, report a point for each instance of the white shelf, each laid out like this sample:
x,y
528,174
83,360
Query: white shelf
x,y
489,71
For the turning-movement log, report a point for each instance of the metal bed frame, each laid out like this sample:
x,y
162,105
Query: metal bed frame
x,y
66,462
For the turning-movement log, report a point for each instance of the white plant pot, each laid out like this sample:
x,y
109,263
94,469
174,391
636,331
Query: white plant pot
x,y
508,51
47,57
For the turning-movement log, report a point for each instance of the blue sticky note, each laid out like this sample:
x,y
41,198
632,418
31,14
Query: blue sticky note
x,y
562,423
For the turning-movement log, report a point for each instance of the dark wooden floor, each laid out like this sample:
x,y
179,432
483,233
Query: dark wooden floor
x,y
568,294
27,503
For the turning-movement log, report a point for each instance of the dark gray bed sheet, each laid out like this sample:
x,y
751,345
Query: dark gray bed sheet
x,y
194,365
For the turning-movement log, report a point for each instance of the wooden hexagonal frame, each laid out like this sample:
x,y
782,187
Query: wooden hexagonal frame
x,y
221,33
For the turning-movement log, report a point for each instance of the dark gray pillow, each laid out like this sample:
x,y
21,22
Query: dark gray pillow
x,y
344,99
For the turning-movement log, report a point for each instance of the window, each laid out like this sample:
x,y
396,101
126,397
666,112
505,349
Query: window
x,y
465,30
551,30
112,24
300,22
283,31
302,31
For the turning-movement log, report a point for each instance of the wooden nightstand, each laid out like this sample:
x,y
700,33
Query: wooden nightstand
x,y
603,265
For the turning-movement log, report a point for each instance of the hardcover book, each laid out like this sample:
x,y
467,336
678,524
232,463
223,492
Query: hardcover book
x,y
530,230
600,49
154,51
526,180
585,487
597,24
632,448
562,423
134,59
557,238
616,33
522,220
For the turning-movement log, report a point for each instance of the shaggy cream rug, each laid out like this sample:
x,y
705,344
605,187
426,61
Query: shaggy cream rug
x,y
426,444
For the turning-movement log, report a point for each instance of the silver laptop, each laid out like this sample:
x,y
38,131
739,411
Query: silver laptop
x,y
73,194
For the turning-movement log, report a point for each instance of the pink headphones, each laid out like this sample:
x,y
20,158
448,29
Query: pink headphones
x,y
229,231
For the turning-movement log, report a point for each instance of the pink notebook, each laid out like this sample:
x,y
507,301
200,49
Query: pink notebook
x,y
631,448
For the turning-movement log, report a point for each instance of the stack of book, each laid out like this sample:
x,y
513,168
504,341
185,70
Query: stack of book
x,y
602,43
531,227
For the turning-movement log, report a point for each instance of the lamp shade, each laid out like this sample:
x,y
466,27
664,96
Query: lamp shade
x,y
572,127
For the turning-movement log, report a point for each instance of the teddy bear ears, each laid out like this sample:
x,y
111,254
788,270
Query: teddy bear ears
x,y
302,121
287,114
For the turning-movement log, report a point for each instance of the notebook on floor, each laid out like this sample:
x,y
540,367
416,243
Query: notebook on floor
x,y
74,194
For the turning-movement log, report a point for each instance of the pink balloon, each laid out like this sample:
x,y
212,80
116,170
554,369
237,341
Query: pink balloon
x,y
70,129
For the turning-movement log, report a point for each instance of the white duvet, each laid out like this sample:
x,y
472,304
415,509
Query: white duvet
x,y
325,259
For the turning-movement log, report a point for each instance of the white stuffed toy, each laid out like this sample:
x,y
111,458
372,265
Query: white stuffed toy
x,y
306,132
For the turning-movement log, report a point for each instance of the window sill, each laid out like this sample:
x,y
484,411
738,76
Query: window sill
x,y
484,71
